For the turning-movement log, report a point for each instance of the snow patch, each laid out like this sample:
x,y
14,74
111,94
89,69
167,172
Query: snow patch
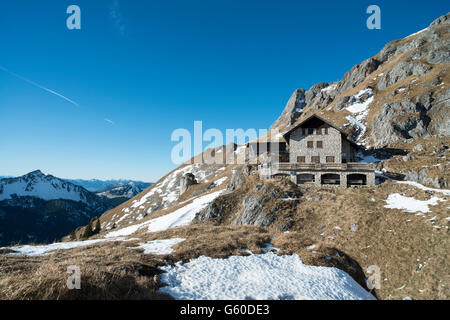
x,y
159,246
418,32
261,277
368,158
42,250
182,216
179,217
357,124
220,181
329,88
422,187
360,109
397,201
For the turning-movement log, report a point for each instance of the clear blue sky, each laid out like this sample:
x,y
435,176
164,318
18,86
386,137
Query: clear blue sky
x,y
154,66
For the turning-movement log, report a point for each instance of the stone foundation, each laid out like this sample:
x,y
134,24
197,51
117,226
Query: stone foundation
x,y
343,177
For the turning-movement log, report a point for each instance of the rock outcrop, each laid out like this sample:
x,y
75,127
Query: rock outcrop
x,y
293,109
398,120
186,181
261,206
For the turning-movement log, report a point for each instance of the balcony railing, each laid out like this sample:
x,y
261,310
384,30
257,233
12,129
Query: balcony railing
x,y
318,166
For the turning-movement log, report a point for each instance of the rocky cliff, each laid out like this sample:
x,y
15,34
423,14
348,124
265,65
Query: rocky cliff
x,y
399,94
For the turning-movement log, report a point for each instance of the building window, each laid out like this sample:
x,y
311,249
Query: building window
x,y
310,130
319,131
330,159
325,130
301,159
310,144
320,144
315,159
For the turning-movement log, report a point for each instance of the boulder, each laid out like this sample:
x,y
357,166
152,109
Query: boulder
x,y
212,212
186,181
240,173
420,176
252,213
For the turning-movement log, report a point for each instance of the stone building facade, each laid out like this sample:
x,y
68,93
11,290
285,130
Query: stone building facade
x,y
320,154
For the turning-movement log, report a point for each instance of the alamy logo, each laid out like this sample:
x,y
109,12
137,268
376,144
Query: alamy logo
x,y
74,20
374,21
74,281
189,146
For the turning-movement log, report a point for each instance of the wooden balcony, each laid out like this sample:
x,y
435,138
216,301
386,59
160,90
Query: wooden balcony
x,y
353,166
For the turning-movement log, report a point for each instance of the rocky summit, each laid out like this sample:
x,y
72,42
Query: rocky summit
x,y
404,88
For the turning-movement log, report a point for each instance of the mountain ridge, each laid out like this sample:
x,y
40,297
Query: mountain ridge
x,y
99,185
37,207
418,63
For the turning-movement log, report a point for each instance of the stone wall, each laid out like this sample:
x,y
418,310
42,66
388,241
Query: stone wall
x,y
332,145
370,177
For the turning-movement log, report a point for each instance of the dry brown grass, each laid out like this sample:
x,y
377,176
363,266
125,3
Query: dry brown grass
x,y
390,239
207,239
114,270
108,271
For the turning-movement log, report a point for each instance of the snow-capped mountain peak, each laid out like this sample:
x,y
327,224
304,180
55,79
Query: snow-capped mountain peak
x,y
46,187
125,189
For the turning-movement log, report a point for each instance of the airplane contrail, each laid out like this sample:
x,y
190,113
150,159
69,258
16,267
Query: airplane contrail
x,y
109,121
39,86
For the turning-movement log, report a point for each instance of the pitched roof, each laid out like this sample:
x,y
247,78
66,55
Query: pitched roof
x,y
288,133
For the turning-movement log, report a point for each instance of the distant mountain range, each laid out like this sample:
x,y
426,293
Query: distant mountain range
x,y
123,189
96,185
40,208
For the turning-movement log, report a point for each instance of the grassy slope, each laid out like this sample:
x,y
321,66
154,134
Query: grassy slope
x,y
396,241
